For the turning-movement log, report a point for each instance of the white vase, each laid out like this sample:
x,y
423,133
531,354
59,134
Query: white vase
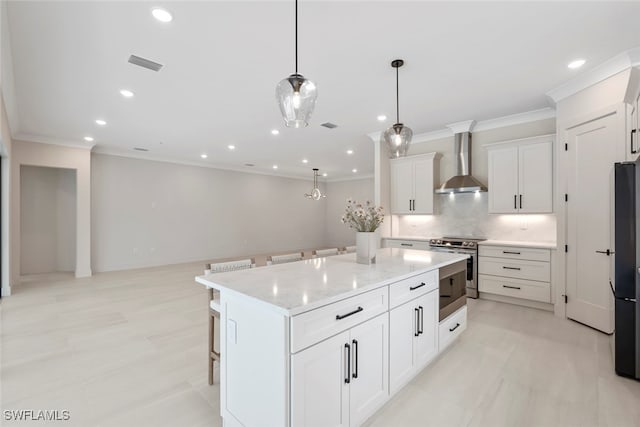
x,y
366,247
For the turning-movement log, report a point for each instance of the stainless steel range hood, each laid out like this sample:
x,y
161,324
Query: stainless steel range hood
x,y
462,182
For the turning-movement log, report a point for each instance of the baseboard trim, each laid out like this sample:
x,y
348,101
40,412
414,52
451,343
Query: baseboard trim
x,y
517,301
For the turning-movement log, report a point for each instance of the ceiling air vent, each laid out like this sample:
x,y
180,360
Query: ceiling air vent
x,y
249,164
329,125
144,63
140,149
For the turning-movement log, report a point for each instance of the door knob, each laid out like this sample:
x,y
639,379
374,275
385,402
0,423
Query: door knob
x,y
608,252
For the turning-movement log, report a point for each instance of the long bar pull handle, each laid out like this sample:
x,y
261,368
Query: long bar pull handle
x,y
413,288
407,244
511,287
608,252
511,268
511,252
454,328
347,363
351,313
521,201
421,315
409,204
515,201
416,330
355,358
633,147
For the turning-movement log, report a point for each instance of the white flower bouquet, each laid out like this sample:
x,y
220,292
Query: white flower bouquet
x,y
363,218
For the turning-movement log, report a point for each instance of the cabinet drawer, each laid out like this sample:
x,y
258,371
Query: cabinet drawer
x,y
512,252
517,269
316,325
526,289
413,287
451,327
406,244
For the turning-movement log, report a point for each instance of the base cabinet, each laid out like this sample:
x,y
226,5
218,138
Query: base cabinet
x,y
413,338
343,380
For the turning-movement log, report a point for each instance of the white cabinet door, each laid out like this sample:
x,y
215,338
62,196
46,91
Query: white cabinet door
x,y
423,186
369,368
535,178
425,345
591,157
319,391
503,180
403,327
401,186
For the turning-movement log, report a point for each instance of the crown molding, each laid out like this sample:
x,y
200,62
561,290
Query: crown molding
x,y
499,122
348,178
460,127
615,65
26,137
218,166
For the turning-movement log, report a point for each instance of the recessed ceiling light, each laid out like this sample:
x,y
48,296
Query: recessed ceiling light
x,y
576,64
126,93
88,139
382,118
100,122
231,147
324,174
349,151
354,170
162,15
275,166
275,132
305,161
204,156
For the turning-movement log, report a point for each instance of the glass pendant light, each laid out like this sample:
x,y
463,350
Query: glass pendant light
x,y
296,95
315,194
398,137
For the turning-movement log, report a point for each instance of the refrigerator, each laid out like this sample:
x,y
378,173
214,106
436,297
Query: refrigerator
x,y
627,269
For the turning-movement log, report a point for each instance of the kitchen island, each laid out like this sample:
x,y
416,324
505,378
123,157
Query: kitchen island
x,y
327,341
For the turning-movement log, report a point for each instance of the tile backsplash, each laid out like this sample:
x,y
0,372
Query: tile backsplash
x,y
465,215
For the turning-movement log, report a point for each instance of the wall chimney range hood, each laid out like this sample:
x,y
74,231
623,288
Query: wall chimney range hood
x,y
462,182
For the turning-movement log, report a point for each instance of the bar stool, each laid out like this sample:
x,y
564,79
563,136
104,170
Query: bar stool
x,y
214,304
281,259
325,252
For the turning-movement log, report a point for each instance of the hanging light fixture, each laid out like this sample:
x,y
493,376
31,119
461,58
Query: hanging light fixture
x,y
296,95
315,194
398,137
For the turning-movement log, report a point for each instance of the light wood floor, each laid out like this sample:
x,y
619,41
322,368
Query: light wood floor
x,y
129,349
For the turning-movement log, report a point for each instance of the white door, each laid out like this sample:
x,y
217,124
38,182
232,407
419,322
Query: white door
x,y
370,368
535,178
403,327
591,157
319,392
401,186
503,180
425,345
423,186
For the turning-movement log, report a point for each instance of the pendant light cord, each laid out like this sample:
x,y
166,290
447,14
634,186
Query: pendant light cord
x,y
397,95
296,36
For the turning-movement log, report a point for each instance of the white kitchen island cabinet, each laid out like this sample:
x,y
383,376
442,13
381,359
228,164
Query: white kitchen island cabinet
x,y
308,343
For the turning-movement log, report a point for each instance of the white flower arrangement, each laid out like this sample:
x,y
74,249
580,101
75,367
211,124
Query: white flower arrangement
x,y
363,218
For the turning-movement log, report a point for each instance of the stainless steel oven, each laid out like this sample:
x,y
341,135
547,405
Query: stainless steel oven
x,y
465,246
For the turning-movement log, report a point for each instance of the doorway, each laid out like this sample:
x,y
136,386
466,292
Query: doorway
x,y
47,220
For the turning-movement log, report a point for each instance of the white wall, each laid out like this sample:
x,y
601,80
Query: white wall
x,y
147,213
337,234
7,234
47,228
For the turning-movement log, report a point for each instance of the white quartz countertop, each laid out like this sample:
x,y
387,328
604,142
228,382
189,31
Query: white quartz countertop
x,y
526,244
297,287
414,238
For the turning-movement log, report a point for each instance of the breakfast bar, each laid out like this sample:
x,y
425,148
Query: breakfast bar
x,y
327,341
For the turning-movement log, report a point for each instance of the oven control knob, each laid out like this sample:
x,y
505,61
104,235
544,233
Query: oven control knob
x,y
472,244
432,241
465,243
439,242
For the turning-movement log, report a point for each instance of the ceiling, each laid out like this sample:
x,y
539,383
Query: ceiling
x,y
222,61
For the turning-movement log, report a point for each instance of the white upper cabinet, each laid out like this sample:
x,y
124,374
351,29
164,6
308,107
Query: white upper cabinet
x,y
521,176
413,180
